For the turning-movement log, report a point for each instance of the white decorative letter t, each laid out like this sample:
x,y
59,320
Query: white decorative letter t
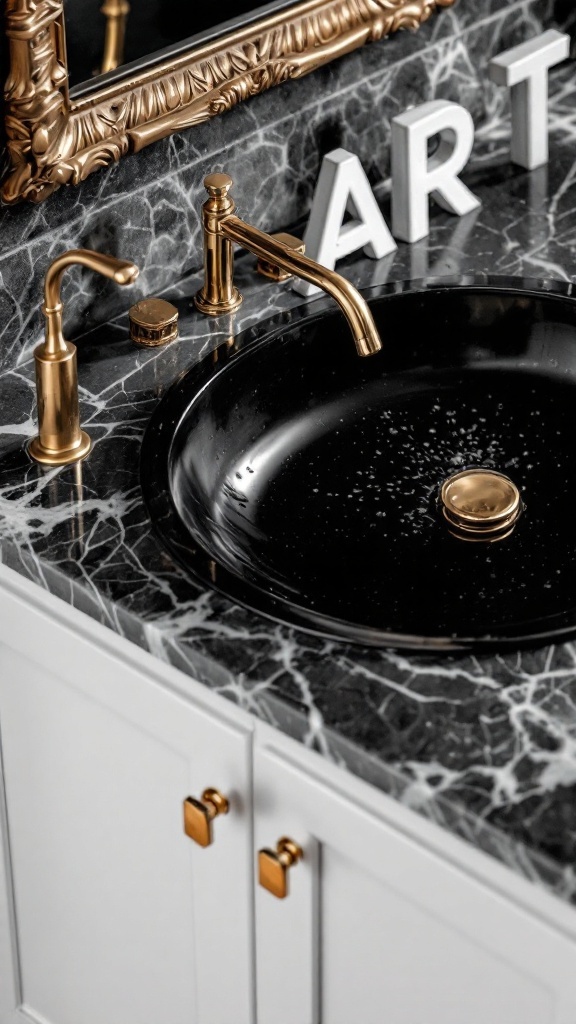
x,y
525,70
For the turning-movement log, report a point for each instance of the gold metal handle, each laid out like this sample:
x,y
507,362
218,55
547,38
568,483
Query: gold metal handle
x,y
153,322
199,815
266,268
273,866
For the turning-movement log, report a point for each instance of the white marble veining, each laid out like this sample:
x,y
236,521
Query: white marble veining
x,y
146,207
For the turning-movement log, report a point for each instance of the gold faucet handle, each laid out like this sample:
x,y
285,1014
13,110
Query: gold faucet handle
x,y
270,270
218,184
153,322
273,866
199,815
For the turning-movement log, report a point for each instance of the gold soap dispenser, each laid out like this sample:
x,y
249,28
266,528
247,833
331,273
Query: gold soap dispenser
x,y
60,439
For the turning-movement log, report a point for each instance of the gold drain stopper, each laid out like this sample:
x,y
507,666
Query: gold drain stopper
x,y
480,504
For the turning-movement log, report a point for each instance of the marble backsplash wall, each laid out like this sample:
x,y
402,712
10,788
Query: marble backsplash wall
x,y
147,207
564,13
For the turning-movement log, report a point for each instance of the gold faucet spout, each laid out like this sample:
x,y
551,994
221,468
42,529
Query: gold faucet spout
x,y
218,295
355,309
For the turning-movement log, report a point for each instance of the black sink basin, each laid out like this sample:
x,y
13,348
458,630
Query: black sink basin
x,y
302,481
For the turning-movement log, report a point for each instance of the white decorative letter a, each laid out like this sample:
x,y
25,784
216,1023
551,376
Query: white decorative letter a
x,y
343,186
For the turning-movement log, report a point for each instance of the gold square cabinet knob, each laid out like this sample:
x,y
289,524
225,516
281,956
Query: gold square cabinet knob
x,y
199,815
273,866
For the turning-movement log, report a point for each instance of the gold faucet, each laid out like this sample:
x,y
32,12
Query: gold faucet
x,y
219,295
60,439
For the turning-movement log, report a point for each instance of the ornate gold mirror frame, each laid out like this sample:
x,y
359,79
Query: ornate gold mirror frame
x,y
53,140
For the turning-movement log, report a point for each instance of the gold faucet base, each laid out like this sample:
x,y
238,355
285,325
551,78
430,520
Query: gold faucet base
x,y
218,308
62,457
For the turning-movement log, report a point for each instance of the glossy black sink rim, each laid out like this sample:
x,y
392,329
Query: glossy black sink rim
x,y
208,564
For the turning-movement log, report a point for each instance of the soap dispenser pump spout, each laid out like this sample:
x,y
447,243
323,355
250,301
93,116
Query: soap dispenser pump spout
x,y
60,439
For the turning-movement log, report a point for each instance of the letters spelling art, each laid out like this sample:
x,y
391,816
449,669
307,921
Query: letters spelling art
x,y
343,186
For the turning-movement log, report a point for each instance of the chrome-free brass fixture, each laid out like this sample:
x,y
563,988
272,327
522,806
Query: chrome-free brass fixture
x,y
199,815
116,13
480,504
219,294
60,439
153,322
273,866
273,272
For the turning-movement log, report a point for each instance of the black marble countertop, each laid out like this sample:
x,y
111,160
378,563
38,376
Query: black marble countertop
x,y
485,746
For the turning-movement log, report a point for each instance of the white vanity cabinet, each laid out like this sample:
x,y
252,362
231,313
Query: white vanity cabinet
x,y
389,921
120,918
110,914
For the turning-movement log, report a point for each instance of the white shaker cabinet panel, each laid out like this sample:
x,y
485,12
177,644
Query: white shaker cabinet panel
x,y
381,930
8,972
120,917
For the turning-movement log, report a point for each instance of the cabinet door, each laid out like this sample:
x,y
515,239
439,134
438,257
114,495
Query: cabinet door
x,y
119,917
378,928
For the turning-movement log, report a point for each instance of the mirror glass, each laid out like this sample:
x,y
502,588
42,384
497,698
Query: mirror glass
x,y
115,37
